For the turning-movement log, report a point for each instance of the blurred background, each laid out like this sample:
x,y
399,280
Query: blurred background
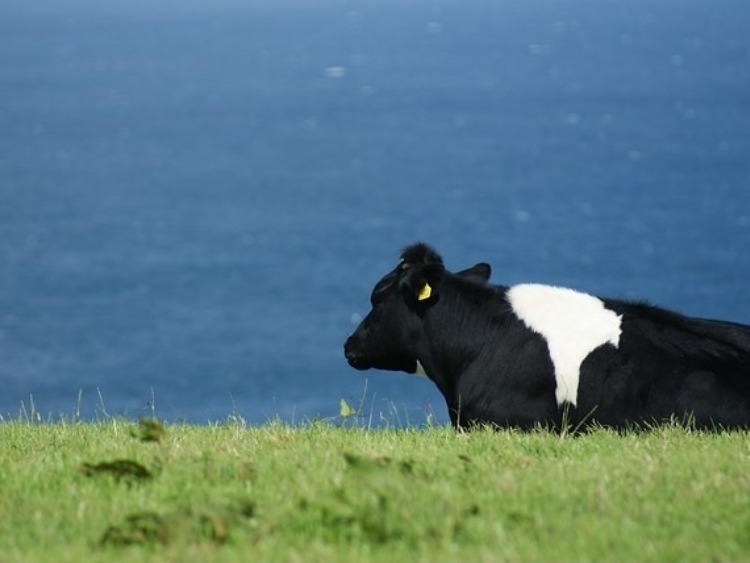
x,y
196,198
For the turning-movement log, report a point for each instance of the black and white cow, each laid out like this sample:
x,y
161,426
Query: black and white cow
x,y
534,354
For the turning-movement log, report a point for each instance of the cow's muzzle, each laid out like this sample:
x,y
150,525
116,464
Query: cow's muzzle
x,y
354,358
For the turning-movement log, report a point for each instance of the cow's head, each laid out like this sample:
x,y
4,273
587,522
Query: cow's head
x,y
388,336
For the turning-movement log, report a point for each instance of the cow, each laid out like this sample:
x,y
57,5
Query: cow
x,y
534,355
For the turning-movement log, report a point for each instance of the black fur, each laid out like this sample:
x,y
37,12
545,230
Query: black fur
x,y
420,253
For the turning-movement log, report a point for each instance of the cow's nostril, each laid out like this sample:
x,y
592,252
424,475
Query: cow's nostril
x,y
351,355
348,352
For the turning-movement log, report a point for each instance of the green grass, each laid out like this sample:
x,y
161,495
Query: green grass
x,y
120,491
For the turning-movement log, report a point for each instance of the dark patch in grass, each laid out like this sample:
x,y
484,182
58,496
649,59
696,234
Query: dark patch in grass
x,y
379,518
150,430
217,525
143,528
373,507
150,528
120,469
376,464
372,520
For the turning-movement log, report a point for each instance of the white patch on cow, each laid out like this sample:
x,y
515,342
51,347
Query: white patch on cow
x,y
574,324
420,372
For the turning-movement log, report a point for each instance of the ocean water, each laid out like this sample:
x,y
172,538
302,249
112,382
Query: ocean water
x,y
197,197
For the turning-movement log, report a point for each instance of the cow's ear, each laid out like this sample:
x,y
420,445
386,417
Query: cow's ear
x,y
425,280
479,273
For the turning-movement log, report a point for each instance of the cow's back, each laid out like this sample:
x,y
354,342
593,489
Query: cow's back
x,y
669,366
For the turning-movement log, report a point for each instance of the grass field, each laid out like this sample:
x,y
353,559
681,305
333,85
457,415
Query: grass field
x,y
123,491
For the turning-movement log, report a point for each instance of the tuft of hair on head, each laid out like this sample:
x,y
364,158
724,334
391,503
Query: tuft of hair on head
x,y
420,253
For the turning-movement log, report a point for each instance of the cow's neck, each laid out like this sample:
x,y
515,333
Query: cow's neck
x,y
454,329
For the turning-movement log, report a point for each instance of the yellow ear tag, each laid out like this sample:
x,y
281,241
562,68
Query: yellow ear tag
x,y
425,293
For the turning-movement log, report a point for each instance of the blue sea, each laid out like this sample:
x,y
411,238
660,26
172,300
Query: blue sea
x,y
196,198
